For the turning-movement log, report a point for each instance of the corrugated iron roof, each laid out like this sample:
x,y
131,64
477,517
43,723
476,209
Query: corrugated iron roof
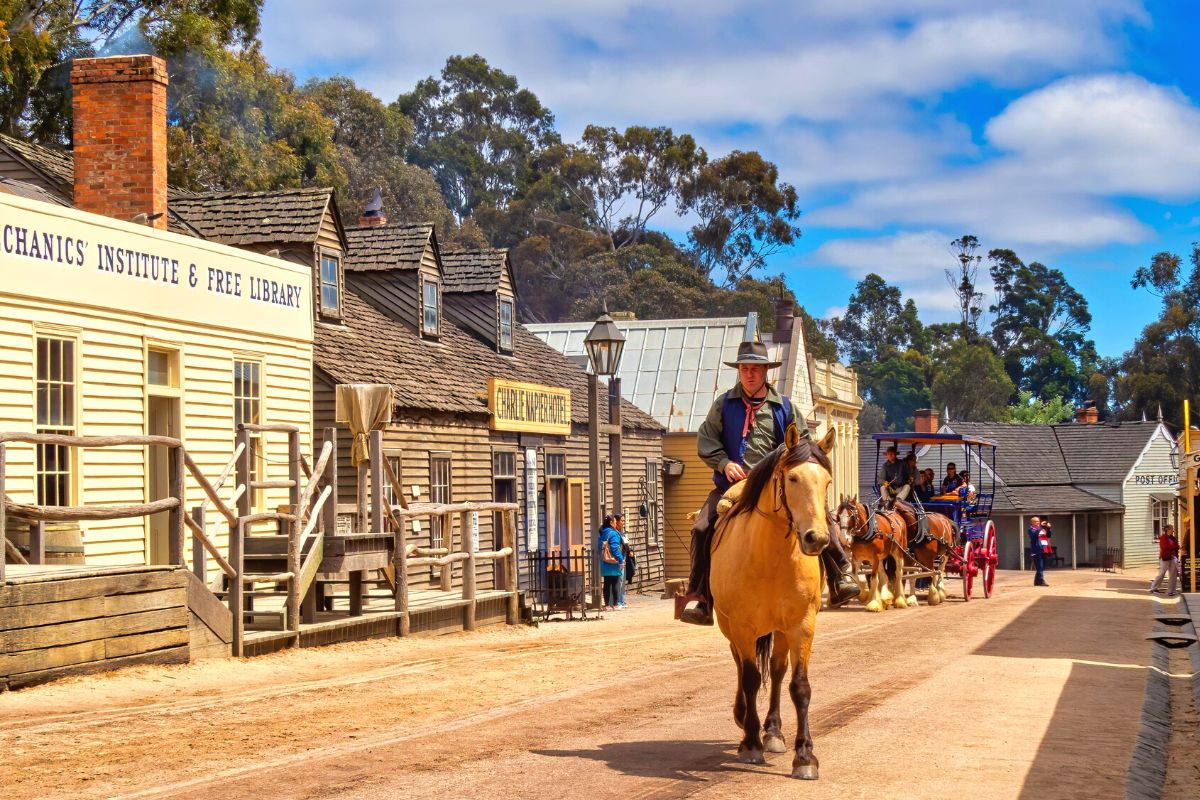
x,y
673,369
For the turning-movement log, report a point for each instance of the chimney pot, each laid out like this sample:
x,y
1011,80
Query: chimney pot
x,y
925,420
120,109
785,320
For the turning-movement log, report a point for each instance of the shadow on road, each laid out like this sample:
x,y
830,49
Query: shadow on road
x,y
674,760
1130,586
1085,749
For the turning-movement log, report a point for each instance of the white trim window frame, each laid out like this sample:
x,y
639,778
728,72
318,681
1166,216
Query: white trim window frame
x,y
505,338
431,307
56,394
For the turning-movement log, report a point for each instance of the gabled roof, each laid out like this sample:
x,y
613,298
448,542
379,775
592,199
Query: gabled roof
x,y
473,270
672,368
449,375
1103,453
55,165
31,192
281,216
391,246
1026,455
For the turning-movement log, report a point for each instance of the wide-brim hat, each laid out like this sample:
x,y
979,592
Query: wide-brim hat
x,y
753,353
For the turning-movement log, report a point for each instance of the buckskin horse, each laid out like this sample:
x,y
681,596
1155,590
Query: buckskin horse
x,y
873,536
929,551
766,584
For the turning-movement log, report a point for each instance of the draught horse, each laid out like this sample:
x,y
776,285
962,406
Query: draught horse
x,y
933,552
766,585
873,542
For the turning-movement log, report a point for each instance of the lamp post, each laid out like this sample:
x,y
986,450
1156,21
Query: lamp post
x,y
604,344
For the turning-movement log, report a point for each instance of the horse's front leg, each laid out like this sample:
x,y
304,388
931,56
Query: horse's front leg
x,y
774,741
876,603
896,580
750,749
804,763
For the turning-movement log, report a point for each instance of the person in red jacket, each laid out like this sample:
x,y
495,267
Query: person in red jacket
x,y
1168,551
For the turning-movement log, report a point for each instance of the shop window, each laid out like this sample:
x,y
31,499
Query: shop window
x,y
506,325
162,368
504,489
247,410
650,497
439,493
557,522
55,401
331,294
1163,514
393,459
429,308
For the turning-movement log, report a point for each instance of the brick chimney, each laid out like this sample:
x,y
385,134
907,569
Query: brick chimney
x,y
120,139
925,420
1087,414
785,318
373,214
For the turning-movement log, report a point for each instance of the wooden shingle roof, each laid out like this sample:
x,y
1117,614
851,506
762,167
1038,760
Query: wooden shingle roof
x,y
449,375
31,192
1026,455
248,218
391,246
473,270
55,165
1103,453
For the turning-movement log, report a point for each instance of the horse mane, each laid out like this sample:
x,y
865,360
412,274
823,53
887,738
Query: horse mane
x,y
760,476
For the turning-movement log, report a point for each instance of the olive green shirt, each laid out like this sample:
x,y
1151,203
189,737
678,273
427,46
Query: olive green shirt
x,y
760,441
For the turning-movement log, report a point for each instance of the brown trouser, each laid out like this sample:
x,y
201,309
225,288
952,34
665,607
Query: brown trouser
x,y
833,556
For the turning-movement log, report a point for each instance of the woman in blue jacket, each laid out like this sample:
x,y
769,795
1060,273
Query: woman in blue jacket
x,y
611,571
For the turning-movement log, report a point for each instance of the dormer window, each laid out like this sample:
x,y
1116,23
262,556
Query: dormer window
x,y
331,285
506,325
430,308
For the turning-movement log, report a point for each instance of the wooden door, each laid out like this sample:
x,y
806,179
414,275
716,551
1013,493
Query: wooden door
x,y
162,421
576,525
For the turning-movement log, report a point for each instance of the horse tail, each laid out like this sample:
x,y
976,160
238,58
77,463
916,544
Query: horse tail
x,y
762,649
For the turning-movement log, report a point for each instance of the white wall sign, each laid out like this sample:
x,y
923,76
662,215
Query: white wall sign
x,y
475,530
531,484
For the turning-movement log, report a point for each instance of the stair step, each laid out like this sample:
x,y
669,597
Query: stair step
x,y
266,577
256,593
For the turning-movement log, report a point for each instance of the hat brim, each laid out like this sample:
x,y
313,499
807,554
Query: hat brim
x,y
767,364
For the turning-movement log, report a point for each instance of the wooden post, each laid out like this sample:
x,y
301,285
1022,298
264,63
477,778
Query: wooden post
x,y
360,521
468,587
176,526
245,500
3,514
331,476
400,568
199,555
446,573
1073,560
595,488
1023,537
236,536
356,593
377,481
37,542
294,528
614,444
509,539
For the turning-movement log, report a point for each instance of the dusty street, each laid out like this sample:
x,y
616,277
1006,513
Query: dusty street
x,y
1035,693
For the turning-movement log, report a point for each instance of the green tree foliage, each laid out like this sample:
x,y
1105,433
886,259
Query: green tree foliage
x,y
476,129
615,182
963,280
38,38
1163,366
972,383
897,385
878,322
1040,328
1031,410
872,419
746,214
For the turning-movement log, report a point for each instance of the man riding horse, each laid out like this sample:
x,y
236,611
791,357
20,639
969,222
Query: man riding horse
x,y
742,427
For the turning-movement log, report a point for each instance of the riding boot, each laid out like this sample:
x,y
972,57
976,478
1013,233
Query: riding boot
x,y
842,586
702,534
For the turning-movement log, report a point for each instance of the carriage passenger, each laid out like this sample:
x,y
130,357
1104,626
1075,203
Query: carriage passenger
x,y
952,481
924,487
895,481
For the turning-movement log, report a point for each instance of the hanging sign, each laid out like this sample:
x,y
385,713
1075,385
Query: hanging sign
x,y
529,407
531,492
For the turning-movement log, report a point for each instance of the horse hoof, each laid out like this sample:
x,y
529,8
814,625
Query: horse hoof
x,y
806,772
775,744
751,757
912,601
874,605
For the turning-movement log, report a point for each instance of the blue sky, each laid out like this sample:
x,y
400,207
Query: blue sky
x,y
1067,131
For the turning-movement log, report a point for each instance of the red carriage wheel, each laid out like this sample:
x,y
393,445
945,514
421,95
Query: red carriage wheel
x,y
989,559
968,568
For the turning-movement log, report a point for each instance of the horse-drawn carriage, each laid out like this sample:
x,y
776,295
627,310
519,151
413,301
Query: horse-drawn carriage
x,y
948,534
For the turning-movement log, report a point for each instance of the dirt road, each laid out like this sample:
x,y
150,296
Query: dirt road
x,y
1034,693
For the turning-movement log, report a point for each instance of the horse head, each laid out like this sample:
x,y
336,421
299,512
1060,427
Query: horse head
x,y
803,478
851,517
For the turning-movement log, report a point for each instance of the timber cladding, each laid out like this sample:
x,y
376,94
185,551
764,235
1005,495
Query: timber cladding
x,y
53,626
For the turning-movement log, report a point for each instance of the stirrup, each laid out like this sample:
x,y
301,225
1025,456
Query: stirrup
x,y
681,601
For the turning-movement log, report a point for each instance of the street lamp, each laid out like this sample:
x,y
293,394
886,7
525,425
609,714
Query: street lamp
x,y
604,344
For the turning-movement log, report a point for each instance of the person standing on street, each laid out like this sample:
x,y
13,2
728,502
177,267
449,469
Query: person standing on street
x,y
627,557
1037,542
1168,552
742,427
612,560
